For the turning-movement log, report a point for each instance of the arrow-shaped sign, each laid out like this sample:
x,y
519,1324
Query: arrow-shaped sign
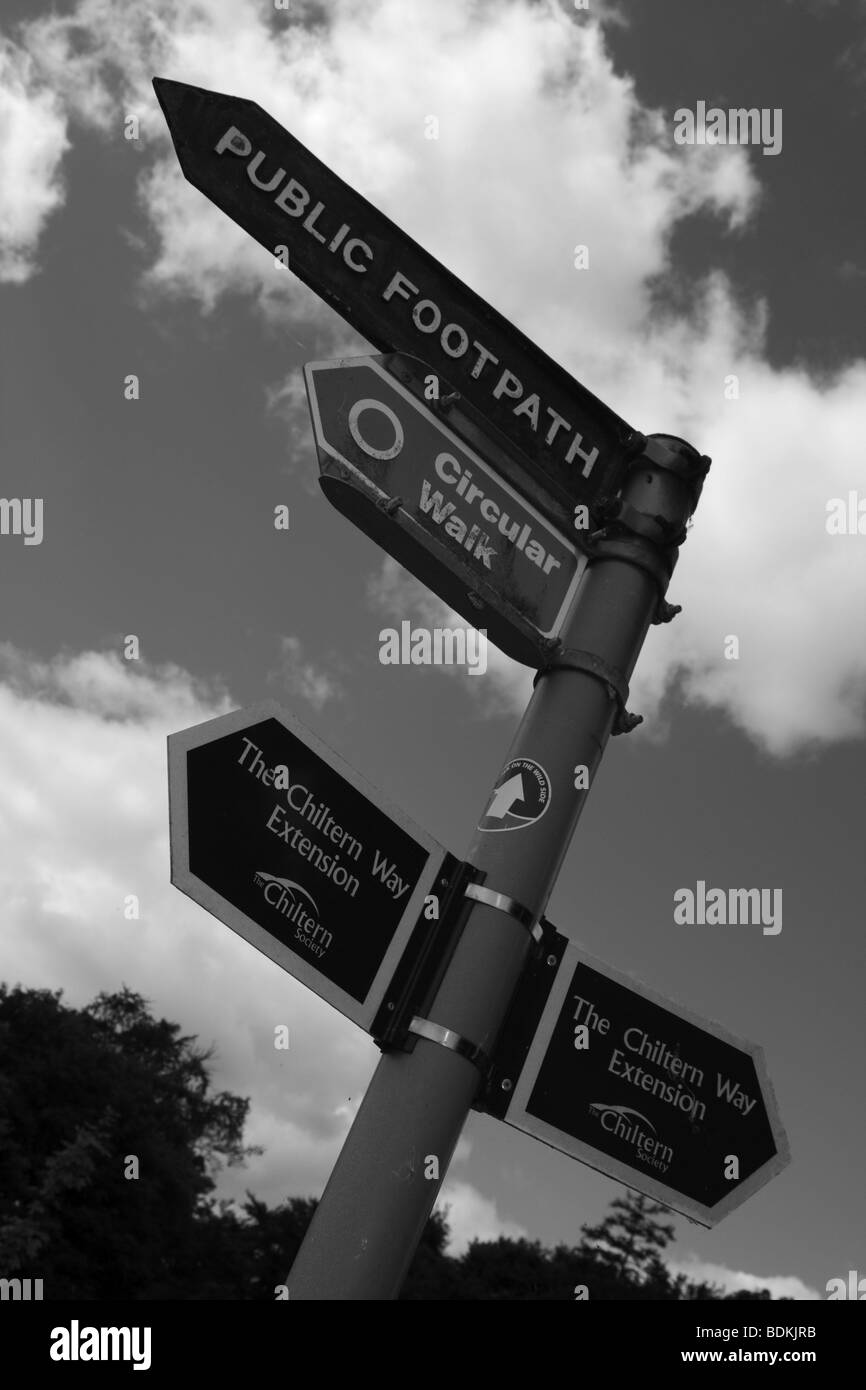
x,y
276,836
400,473
393,291
603,1068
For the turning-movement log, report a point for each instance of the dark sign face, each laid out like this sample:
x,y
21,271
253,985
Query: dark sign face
x,y
390,289
639,1089
459,526
270,835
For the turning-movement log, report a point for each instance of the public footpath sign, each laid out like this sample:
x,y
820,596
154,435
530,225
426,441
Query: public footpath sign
x,y
273,834
397,470
398,296
637,1087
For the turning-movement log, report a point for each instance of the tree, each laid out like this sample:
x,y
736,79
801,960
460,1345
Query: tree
x,y
433,1275
631,1238
272,1238
109,1144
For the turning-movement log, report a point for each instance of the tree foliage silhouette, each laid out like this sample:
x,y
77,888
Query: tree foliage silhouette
x,y
82,1091
631,1238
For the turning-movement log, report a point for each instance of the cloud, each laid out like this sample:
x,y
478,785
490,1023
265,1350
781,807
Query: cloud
x,y
108,687
472,1216
32,144
732,1281
84,818
759,564
301,677
545,76
288,402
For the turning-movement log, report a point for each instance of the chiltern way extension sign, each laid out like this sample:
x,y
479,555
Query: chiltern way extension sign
x,y
396,470
640,1089
398,296
273,834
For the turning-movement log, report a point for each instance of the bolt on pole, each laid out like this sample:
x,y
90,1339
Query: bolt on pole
x,y
371,1216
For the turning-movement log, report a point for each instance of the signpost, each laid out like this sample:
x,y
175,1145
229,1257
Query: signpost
x,y
273,834
637,1087
408,481
398,296
279,839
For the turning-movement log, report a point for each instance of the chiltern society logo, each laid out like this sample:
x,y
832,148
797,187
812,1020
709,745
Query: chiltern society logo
x,y
635,1129
293,902
520,797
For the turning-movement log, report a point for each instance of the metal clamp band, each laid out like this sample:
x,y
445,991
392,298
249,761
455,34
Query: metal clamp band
x,y
621,518
595,666
503,903
446,1037
656,561
612,678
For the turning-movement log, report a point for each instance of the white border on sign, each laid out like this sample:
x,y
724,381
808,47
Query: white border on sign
x,y
518,1116
363,1011
456,442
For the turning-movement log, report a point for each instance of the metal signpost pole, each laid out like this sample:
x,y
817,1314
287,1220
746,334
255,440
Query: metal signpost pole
x,y
380,1194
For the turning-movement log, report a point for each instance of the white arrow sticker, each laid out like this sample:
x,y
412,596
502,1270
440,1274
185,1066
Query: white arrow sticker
x,y
505,796
520,797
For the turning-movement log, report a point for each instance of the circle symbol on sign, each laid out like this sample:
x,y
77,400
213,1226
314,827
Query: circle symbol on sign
x,y
520,797
369,404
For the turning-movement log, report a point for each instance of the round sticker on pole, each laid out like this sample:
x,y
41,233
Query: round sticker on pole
x,y
520,797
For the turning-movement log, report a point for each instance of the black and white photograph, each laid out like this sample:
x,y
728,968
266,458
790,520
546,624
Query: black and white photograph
x,y
432,671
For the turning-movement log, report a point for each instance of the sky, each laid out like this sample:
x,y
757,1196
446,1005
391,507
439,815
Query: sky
x,y
723,302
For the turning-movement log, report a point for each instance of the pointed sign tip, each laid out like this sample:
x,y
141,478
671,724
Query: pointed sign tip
x,y
164,89
178,102
183,103
167,87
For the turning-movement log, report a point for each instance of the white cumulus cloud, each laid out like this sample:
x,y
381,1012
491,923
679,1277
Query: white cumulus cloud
x,y
733,1281
300,676
472,1216
33,141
